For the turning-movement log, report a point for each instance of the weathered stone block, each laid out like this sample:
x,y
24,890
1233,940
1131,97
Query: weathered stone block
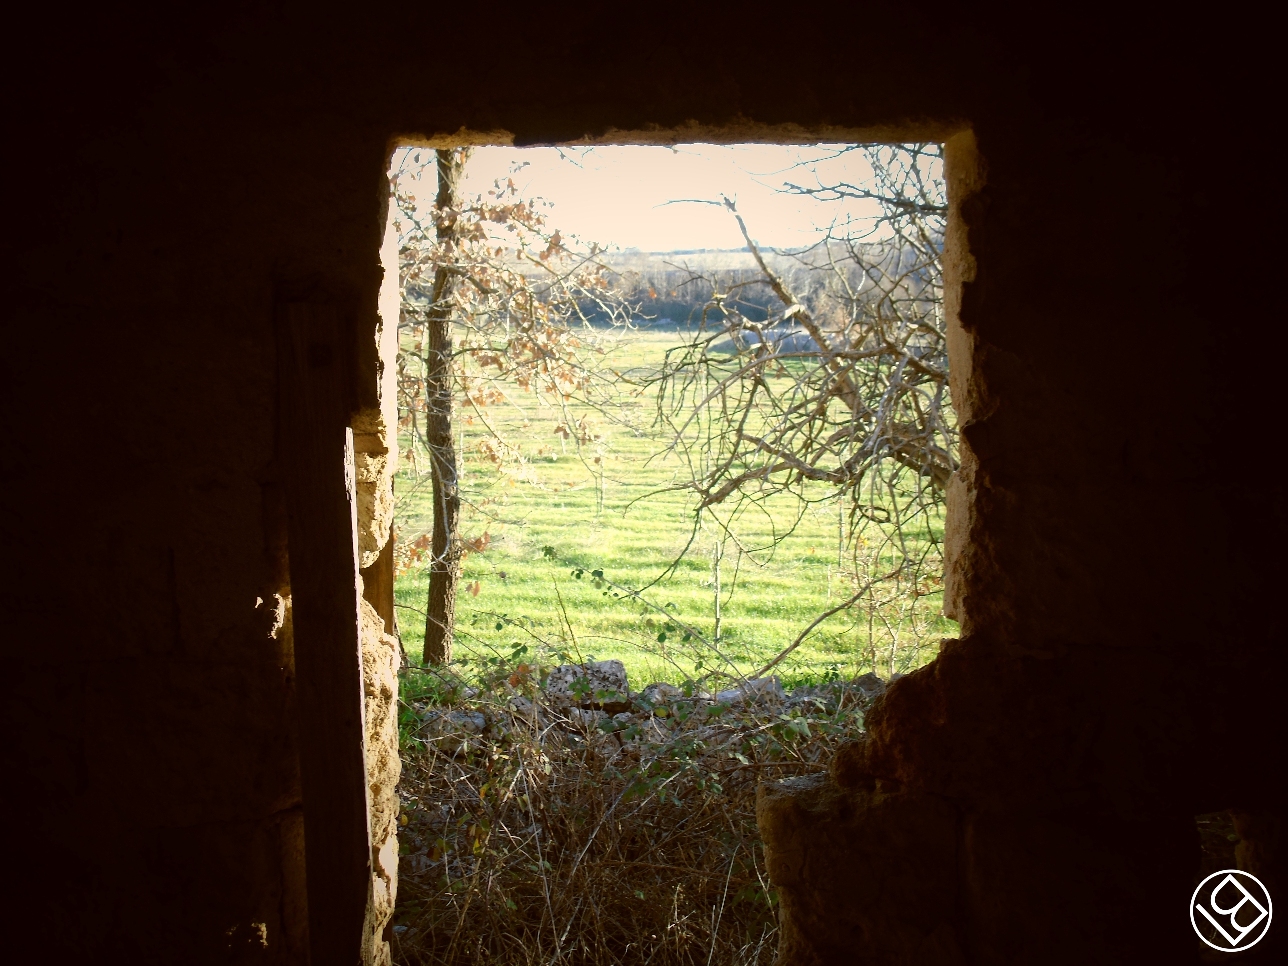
x,y
863,876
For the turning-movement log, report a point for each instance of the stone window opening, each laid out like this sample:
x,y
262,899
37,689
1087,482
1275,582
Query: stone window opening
x,y
316,332
957,261
195,355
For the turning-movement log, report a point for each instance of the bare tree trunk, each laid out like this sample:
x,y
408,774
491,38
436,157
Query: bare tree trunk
x,y
440,612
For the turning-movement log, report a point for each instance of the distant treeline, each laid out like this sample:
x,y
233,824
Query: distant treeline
x,y
675,297
674,288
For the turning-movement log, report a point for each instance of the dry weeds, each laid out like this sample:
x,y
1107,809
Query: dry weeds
x,y
568,837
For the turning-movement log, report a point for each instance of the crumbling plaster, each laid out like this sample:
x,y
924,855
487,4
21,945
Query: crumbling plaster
x,y
1116,526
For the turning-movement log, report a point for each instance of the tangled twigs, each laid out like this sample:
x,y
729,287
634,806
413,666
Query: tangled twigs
x,y
838,395
538,835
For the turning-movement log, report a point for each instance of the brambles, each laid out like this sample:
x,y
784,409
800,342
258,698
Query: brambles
x,y
560,833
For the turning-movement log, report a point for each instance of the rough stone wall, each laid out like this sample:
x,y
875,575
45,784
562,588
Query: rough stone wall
x,y
1116,528
375,465
380,660
376,457
1036,785
375,428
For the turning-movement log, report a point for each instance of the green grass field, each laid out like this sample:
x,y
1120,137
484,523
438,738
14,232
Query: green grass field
x,y
559,512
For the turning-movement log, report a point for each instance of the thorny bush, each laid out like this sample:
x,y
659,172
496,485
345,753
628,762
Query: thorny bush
x,y
533,833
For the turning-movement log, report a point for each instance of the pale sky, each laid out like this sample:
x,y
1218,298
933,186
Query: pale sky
x,y
618,195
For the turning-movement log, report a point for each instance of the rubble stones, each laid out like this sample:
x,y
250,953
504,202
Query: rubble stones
x,y
591,703
587,717
870,684
455,731
768,690
523,706
597,684
658,694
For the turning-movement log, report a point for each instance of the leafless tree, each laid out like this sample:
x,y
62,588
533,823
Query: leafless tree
x,y
494,299
839,394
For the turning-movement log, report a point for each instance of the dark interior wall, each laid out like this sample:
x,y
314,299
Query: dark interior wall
x,y
165,178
